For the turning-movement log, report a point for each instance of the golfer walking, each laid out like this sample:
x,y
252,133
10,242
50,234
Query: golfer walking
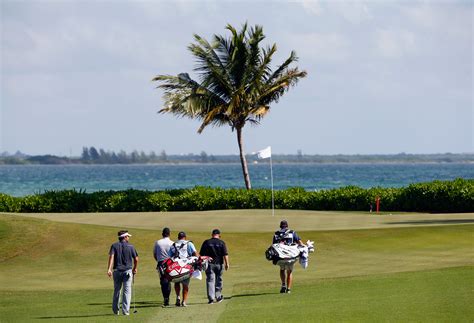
x,y
288,237
123,263
160,252
182,249
217,250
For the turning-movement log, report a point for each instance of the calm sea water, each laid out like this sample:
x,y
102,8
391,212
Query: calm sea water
x,y
29,179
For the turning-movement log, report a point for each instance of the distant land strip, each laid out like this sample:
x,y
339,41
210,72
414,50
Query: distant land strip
x,y
94,156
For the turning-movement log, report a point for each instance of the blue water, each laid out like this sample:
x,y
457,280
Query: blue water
x,y
29,179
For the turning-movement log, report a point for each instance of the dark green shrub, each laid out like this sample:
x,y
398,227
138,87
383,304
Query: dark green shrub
x,y
437,196
9,203
35,204
160,201
129,201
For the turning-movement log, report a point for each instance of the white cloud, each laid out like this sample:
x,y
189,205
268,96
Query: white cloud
x,y
97,44
353,11
422,15
312,6
395,44
84,68
320,46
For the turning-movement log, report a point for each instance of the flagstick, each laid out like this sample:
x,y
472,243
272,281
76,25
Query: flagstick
x,y
271,175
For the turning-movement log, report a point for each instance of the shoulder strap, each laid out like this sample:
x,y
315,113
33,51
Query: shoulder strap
x,y
184,244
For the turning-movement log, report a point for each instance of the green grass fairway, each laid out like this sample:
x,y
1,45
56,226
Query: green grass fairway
x,y
424,271
259,220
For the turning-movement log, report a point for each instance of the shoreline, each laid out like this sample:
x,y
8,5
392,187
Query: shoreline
x,y
255,163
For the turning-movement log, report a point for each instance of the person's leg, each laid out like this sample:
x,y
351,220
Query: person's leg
x,y
282,278
127,291
185,291
177,289
218,271
116,296
165,290
210,282
289,278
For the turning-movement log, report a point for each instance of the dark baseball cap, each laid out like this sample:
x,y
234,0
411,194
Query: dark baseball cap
x,y
283,224
216,231
181,235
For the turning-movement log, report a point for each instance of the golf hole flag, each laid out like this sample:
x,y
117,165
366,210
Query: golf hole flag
x,y
265,153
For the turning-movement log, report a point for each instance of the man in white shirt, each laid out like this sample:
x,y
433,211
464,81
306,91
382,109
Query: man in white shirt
x,y
160,252
182,249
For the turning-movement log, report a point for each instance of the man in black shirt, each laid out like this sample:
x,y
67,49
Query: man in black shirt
x,y
217,250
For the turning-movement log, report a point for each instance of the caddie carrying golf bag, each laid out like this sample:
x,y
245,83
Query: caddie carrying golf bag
x,y
176,270
280,253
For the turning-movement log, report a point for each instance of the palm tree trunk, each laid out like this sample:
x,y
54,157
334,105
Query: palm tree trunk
x,y
243,160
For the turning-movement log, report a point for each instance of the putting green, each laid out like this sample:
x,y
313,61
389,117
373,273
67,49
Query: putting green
x,y
55,271
259,220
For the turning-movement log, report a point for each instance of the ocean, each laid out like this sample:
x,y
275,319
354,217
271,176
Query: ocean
x,y
20,180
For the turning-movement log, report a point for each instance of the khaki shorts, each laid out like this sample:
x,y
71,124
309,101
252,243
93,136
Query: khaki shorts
x,y
286,264
185,282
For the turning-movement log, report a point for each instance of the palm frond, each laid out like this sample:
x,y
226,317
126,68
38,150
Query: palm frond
x,y
281,69
235,84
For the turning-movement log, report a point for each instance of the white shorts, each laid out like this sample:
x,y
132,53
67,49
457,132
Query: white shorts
x,y
286,264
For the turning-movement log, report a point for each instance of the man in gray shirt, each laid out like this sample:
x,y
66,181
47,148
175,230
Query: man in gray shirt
x,y
160,252
122,265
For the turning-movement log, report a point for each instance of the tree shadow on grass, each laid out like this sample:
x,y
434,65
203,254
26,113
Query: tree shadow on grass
x,y
454,221
142,304
251,295
72,316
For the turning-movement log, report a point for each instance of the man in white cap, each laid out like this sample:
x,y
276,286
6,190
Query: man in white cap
x,y
123,263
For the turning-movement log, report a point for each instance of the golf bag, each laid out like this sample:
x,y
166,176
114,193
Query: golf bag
x,y
283,253
176,270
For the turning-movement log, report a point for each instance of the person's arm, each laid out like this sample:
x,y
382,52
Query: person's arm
x,y
298,239
193,249
275,238
155,252
203,250
135,265
226,262
110,265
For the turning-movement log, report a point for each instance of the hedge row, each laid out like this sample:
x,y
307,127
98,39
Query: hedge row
x,y
437,196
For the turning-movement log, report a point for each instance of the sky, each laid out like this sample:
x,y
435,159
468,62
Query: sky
x,y
384,77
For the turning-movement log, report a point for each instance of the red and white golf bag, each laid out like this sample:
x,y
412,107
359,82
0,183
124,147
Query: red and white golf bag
x,y
176,270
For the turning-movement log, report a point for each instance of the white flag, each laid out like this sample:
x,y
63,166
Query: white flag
x,y
265,153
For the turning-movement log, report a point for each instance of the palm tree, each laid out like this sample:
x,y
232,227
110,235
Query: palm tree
x,y
236,83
